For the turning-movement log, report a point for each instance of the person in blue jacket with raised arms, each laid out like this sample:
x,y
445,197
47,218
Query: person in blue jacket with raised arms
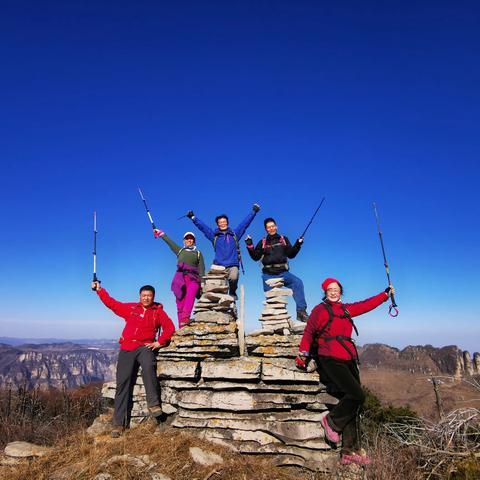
x,y
226,244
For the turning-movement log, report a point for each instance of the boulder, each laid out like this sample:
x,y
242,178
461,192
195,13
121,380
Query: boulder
x,y
25,450
202,457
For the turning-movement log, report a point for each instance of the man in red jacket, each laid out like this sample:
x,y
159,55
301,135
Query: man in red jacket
x,y
137,344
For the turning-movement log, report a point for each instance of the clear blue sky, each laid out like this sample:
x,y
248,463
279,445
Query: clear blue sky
x,y
212,106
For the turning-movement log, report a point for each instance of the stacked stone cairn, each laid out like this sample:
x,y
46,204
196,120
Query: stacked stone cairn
x,y
275,316
259,403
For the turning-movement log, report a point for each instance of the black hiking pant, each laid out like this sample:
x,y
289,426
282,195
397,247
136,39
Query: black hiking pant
x,y
342,379
127,370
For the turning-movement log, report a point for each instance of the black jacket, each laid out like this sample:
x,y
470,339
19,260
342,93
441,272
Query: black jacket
x,y
276,252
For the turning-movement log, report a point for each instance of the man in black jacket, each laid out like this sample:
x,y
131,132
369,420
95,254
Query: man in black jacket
x,y
274,250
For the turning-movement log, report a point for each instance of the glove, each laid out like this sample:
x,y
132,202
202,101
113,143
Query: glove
x,y
300,240
158,233
190,214
248,240
301,362
96,285
390,290
256,207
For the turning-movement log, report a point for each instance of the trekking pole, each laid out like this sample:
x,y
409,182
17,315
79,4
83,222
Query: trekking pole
x,y
146,208
393,307
95,279
311,220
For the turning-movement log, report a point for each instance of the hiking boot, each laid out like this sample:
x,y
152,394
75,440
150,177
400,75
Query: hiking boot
x,y
302,315
357,458
155,411
330,434
116,432
185,321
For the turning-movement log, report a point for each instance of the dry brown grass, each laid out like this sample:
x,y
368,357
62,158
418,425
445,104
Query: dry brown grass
x,y
401,388
45,416
80,457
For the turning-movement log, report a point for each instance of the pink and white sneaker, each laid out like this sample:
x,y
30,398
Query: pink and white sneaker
x,y
357,458
330,434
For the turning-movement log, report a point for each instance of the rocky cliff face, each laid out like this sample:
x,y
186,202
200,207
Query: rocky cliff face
x,y
426,359
55,365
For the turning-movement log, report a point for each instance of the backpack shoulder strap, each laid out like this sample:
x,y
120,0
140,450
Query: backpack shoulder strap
x,y
329,309
346,314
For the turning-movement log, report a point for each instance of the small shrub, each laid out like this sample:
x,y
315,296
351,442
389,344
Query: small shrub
x,y
44,416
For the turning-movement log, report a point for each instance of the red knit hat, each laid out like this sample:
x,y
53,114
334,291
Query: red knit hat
x,y
328,281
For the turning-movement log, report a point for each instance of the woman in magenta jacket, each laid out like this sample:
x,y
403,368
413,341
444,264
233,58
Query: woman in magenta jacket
x,y
329,332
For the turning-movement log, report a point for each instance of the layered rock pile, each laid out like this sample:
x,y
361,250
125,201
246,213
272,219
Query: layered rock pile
x,y
255,404
275,318
215,290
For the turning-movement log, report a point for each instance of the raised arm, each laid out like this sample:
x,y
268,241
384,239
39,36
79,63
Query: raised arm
x,y
205,229
291,251
254,252
359,308
119,308
173,246
240,230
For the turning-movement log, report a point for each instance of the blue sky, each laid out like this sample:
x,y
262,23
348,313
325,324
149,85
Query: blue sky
x,y
212,106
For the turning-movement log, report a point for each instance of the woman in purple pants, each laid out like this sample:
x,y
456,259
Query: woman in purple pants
x,y
187,278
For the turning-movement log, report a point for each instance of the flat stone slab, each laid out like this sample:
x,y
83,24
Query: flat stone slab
x,y
214,317
201,329
25,450
275,316
274,311
218,297
272,340
290,432
285,371
241,369
216,268
177,369
275,306
273,281
276,300
216,288
279,292
274,351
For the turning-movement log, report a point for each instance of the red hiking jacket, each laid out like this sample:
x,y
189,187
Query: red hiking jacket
x,y
141,325
339,326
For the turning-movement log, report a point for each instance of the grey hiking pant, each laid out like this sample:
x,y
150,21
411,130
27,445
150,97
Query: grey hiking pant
x,y
127,369
232,277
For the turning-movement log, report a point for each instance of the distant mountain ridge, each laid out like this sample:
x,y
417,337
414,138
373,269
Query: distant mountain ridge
x,y
59,365
102,342
449,360
69,365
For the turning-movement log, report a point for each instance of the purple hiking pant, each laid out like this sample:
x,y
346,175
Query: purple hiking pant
x,y
185,304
